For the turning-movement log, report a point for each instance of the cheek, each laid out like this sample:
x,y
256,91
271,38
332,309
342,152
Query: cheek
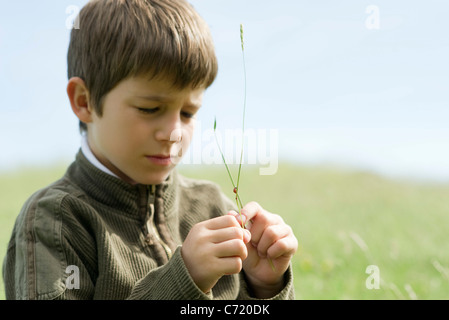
x,y
118,133
187,135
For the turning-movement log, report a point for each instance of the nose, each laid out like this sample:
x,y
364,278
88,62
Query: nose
x,y
169,129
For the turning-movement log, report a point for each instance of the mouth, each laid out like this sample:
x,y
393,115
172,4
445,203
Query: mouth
x,y
160,159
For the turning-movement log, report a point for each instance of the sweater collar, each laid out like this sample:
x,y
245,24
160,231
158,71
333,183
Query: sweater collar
x,y
87,152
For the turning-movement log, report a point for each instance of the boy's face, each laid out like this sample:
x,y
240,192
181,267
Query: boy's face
x,y
142,120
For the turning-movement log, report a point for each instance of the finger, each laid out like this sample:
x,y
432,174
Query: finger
x,y
228,233
231,248
241,219
230,265
221,222
251,210
270,235
259,225
285,247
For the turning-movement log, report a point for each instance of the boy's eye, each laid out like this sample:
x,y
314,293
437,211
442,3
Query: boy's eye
x,y
148,110
187,115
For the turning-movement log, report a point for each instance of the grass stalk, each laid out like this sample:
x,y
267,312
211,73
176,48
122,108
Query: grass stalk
x,y
237,186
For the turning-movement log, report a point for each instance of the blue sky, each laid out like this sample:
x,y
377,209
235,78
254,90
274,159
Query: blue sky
x,y
337,91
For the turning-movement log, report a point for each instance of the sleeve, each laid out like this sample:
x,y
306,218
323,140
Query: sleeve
x,y
38,264
287,293
171,281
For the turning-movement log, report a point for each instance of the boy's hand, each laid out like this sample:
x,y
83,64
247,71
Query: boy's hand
x,y
271,239
214,248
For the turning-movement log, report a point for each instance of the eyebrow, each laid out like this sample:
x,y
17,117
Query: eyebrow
x,y
160,98
155,98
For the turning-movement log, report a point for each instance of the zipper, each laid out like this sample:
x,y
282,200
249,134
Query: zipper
x,y
153,233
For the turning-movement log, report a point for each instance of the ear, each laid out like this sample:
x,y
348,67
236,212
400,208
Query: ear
x,y
79,99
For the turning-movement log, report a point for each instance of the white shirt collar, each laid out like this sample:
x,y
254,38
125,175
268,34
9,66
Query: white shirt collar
x,y
92,159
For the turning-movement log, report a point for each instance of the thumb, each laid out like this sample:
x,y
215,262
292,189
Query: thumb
x,y
241,219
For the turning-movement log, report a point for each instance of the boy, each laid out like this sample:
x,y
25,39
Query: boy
x,y
122,223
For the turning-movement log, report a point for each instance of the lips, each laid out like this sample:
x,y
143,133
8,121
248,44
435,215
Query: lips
x,y
160,159
160,156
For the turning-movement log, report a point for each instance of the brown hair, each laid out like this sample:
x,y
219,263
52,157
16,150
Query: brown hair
x,y
118,39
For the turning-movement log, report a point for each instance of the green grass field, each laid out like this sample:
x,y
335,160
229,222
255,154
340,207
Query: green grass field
x,y
344,220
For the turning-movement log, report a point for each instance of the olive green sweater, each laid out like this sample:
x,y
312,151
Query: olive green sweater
x,y
93,236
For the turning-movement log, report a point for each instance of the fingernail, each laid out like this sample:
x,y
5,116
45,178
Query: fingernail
x,y
247,236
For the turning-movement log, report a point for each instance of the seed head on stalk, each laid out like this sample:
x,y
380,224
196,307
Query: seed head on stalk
x,y
236,186
241,38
